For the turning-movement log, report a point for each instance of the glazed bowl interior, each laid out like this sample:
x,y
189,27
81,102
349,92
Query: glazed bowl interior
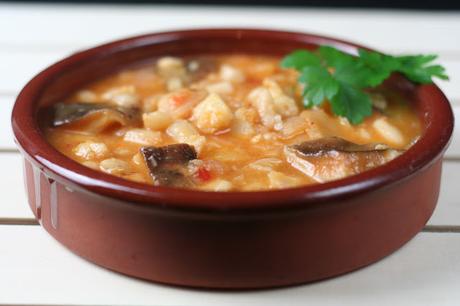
x,y
60,80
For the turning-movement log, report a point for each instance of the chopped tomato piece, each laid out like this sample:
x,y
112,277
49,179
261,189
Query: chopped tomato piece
x,y
204,174
179,99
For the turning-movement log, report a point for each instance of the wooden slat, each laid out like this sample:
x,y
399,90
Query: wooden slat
x,y
14,202
28,65
453,151
448,209
75,26
40,271
451,88
6,134
37,270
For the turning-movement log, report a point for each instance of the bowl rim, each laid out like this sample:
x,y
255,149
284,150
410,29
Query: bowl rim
x,y
433,142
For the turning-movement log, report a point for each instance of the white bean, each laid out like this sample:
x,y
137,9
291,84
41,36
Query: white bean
x,y
91,150
114,166
183,131
124,96
231,74
143,136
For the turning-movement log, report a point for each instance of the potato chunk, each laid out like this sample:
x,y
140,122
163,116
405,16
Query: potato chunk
x,y
212,114
156,121
262,101
184,132
284,104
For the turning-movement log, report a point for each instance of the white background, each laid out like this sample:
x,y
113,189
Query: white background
x,y
34,269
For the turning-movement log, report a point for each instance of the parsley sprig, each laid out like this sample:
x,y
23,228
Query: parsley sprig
x,y
342,79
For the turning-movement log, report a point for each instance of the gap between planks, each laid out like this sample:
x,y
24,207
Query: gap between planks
x,y
8,94
1,304
18,221
9,150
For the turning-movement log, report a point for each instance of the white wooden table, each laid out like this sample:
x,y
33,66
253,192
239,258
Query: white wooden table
x,y
35,269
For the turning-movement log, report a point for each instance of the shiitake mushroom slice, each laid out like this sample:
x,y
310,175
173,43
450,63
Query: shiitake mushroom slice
x,y
168,164
332,158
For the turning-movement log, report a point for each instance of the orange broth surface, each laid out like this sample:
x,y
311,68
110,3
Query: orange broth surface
x,y
239,113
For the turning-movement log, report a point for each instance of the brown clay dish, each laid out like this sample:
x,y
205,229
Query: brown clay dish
x,y
237,240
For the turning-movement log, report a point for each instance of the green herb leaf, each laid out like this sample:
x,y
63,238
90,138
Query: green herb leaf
x,y
320,85
351,103
418,69
334,58
341,78
380,65
300,59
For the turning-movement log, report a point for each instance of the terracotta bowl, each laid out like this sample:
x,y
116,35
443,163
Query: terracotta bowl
x,y
237,240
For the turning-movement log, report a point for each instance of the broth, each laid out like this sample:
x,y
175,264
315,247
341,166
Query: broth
x,y
240,122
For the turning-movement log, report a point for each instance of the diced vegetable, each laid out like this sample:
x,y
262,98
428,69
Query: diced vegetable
x,y
181,103
218,185
170,67
220,88
86,96
115,166
143,137
283,104
183,131
262,101
231,74
124,96
90,150
295,126
174,84
388,131
157,121
212,114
